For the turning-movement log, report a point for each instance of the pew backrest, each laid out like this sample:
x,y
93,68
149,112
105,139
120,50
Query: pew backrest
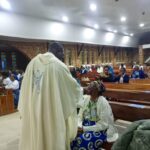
x,y
141,87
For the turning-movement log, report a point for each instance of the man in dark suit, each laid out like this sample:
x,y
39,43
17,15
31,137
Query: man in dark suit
x,y
122,77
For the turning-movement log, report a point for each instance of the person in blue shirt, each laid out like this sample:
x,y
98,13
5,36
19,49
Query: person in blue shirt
x,y
137,73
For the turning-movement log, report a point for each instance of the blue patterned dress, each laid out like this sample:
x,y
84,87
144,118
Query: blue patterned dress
x,y
89,140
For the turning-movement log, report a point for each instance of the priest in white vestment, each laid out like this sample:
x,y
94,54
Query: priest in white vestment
x,y
48,102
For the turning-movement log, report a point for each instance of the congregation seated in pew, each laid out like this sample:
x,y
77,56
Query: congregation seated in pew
x,y
109,74
138,73
96,121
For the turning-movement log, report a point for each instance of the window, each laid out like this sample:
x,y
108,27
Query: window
x,y
14,63
3,61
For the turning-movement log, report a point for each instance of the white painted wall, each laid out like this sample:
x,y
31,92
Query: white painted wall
x,y
14,25
145,46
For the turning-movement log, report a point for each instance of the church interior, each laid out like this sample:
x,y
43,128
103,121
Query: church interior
x,y
103,40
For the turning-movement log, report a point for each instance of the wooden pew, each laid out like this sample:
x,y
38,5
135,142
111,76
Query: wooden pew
x,y
6,102
130,112
123,103
127,95
140,87
140,81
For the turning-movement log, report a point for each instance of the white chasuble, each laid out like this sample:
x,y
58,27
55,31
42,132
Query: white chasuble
x,y
47,104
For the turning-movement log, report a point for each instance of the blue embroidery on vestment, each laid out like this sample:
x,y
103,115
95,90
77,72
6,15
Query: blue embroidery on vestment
x,y
37,76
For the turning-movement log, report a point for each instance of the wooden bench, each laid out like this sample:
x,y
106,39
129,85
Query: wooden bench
x,y
129,101
140,81
141,87
128,95
6,102
130,112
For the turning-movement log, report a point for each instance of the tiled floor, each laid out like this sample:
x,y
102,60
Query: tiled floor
x,y
10,130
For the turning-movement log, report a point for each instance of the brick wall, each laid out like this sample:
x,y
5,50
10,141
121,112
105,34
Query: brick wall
x,y
29,49
73,56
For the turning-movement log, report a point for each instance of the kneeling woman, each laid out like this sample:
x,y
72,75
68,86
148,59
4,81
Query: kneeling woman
x,y
96,121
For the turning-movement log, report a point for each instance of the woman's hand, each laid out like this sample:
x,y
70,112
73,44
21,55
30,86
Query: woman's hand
x,y
80,130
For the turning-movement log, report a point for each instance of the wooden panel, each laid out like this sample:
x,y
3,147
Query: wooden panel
x,y
141,87
3,105
140,81
128,94
10,102
127,112
6,102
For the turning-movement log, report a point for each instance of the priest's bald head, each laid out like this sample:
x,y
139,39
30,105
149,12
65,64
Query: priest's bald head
x,y
57,49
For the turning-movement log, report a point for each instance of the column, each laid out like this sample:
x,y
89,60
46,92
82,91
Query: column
x,y
141,55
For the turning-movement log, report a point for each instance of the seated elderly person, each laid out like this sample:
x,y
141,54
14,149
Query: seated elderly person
x,y
14,85
96,121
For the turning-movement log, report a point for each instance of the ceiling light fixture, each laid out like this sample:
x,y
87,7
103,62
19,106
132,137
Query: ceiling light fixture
x,y
131,34
5,4
65,19
57,29
96,26
115,31
88,33
123,19
109,37
93,7
109,30
141,24
125,39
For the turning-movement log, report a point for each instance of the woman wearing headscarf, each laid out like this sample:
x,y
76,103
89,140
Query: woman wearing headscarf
x,y
96,121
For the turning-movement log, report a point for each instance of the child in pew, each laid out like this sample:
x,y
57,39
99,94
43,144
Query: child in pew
x,y
96,121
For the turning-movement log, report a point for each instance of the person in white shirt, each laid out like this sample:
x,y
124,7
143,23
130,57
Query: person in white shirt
x,y
96,121
122,66
5,78
100,69
14,85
